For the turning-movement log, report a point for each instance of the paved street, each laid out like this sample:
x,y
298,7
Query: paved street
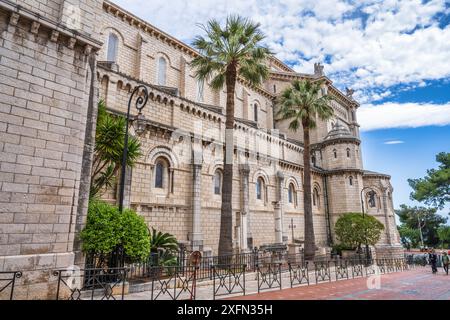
x,y
418,284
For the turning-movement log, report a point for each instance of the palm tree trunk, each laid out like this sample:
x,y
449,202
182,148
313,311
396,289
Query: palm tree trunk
x,y
226,214
310,243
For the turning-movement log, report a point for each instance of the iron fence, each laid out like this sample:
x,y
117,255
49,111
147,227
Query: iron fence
x,y
322,271
173,283
228,279
298,274
8,282
269,276
91,284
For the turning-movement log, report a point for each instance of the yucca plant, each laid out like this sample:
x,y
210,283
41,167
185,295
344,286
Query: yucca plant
x,y
109,143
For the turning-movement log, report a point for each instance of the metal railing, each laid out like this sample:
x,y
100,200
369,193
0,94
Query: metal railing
x,y
91,284
8,282
228,279
269,276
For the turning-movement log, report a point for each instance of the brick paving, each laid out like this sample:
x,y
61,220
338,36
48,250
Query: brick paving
x,y
418,284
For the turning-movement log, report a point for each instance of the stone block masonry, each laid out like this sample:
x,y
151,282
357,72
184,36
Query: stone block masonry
x,y
44,93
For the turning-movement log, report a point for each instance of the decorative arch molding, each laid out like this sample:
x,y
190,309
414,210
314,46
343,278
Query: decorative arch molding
x,y
317,186
161,54
261,174
294,181
162,151
108,29
216,165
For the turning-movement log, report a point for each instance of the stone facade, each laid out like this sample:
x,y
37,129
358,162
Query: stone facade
x,y
182,122
57,58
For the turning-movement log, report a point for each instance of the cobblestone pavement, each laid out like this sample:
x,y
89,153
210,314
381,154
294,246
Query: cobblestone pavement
x,y
418,284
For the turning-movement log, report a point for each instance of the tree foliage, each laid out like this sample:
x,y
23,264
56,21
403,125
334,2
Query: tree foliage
x,y
411,216
444,235
434,188
237,46
109,142
107,228
302,103
354,229
410,237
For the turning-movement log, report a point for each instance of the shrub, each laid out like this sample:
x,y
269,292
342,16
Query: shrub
x,y
166,246
107,228
354,229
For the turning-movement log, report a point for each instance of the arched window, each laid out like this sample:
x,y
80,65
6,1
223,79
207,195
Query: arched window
x,y
255,112
218,182
259,188
200,90
353,115
348,152
162,69
316,199
159,175
291,194
335,153
274,88
113,44
313,160
350,180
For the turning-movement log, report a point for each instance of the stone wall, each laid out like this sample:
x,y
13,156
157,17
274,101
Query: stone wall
x,y
44,97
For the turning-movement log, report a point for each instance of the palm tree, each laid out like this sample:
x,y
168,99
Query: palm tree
x,y
225,55
301,104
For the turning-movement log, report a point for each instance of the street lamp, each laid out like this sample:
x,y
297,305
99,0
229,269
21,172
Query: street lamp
x,y
372,194
141,101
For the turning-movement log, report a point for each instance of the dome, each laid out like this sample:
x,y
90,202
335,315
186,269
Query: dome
x,y
338,131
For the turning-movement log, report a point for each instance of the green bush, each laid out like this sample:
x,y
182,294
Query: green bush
x,y
354,229
107,228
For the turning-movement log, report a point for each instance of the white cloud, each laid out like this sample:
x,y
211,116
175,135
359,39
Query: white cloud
x,y
368,45
403,115
394,142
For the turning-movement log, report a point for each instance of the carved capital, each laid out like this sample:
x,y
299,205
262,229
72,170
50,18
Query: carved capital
x,y
54,36
14,19
35,27
72,42
87,49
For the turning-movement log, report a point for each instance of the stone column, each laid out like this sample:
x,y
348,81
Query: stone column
x,y
182,77
245,173
140,57
111,93
279,209
386,217
196,236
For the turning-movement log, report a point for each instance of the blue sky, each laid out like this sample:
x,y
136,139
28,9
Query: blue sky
x,y
395,54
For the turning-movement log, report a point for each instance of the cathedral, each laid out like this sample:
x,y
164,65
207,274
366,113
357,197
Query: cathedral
x,y
59,58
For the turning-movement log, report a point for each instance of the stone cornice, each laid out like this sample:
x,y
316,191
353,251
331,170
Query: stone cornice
x,y
371,174
57,30
281,64
325,143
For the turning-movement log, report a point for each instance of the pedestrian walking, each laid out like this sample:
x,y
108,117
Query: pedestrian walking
x,y
433,260
445,261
